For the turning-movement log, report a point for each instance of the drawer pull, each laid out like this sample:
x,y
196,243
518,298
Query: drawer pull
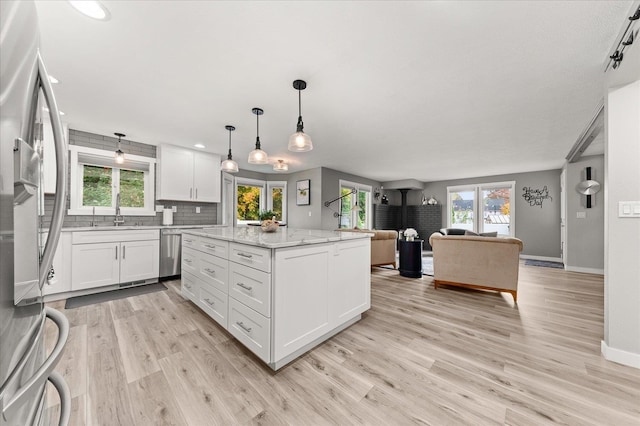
x,y
188,241
244,327
211,271
243,285
245,255
209,301
187,286
210,246
187,260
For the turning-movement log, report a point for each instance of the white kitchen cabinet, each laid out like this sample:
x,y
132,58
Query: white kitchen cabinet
x,y
140,260
101,258
279,302
95,265
186,175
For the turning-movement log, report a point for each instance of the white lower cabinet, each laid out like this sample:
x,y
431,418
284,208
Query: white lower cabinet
x,y
251,328
280,302
96,263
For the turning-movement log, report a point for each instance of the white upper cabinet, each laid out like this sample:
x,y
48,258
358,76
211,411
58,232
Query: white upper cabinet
x,y
186,175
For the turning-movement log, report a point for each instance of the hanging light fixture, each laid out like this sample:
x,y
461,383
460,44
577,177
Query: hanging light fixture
x,y
300,141
119,153
229,165
280,166
258,156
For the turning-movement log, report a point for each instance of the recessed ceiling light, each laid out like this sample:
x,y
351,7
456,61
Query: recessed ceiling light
x,y
91,8
53,80
199,145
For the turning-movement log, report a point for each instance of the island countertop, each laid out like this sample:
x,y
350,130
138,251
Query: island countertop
x,y
283,237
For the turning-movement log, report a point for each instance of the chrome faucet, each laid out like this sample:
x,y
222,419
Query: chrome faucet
x,y
119,219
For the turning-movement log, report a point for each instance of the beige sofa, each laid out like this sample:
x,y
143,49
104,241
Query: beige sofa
x,y
487,263
383,246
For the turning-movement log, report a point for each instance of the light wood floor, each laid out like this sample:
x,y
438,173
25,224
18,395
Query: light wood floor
x,y
443,357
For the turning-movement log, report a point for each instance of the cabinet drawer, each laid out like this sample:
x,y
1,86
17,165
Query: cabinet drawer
x,y
256,257
214,247
250,328
214,270
189,286
214,303
189,240
251,287
190,261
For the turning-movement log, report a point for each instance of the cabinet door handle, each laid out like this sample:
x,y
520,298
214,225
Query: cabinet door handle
x,y
209,301
190,192
243,285
247,256
124,251
116,252
196,193
211,271
244,327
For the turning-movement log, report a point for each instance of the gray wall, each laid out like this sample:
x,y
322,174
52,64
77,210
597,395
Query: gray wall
x,y
537,227
305,216
186,211
585,237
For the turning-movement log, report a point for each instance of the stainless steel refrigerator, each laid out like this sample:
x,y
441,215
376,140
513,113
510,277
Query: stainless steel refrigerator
x,y
25,259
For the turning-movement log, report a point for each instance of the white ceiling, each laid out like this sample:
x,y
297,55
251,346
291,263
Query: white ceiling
x,y
396,90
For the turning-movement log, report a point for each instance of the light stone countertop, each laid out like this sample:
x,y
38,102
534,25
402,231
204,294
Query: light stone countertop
x,y
138,227
283,237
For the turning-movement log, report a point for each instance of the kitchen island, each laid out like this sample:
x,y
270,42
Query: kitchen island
x,y
281,293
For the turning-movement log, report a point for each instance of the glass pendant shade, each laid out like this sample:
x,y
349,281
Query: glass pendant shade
x,y
258,156
300,142
229,165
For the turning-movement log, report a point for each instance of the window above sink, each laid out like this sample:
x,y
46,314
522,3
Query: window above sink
x,y
96,179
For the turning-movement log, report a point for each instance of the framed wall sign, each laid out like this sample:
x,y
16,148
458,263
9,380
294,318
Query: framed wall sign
x,y
303,192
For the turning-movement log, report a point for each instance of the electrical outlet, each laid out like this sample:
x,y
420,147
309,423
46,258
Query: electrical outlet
x,y
197,209
581,215
174,208
309,213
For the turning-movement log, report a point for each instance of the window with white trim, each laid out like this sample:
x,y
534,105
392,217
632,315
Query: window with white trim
x,y
485,207
355,207
254,196
96,180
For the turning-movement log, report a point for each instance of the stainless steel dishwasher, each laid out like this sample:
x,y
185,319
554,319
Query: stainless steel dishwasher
x,y
170,252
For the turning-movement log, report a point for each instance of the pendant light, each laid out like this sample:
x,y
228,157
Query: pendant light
x,y
229,165
119,153
280,166
258,156
300,141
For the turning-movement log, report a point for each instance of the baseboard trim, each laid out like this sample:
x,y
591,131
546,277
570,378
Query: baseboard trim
x,y
618,355
544,258
584,270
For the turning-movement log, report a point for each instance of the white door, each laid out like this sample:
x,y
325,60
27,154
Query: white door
x,y
95,265
140,260
206,177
